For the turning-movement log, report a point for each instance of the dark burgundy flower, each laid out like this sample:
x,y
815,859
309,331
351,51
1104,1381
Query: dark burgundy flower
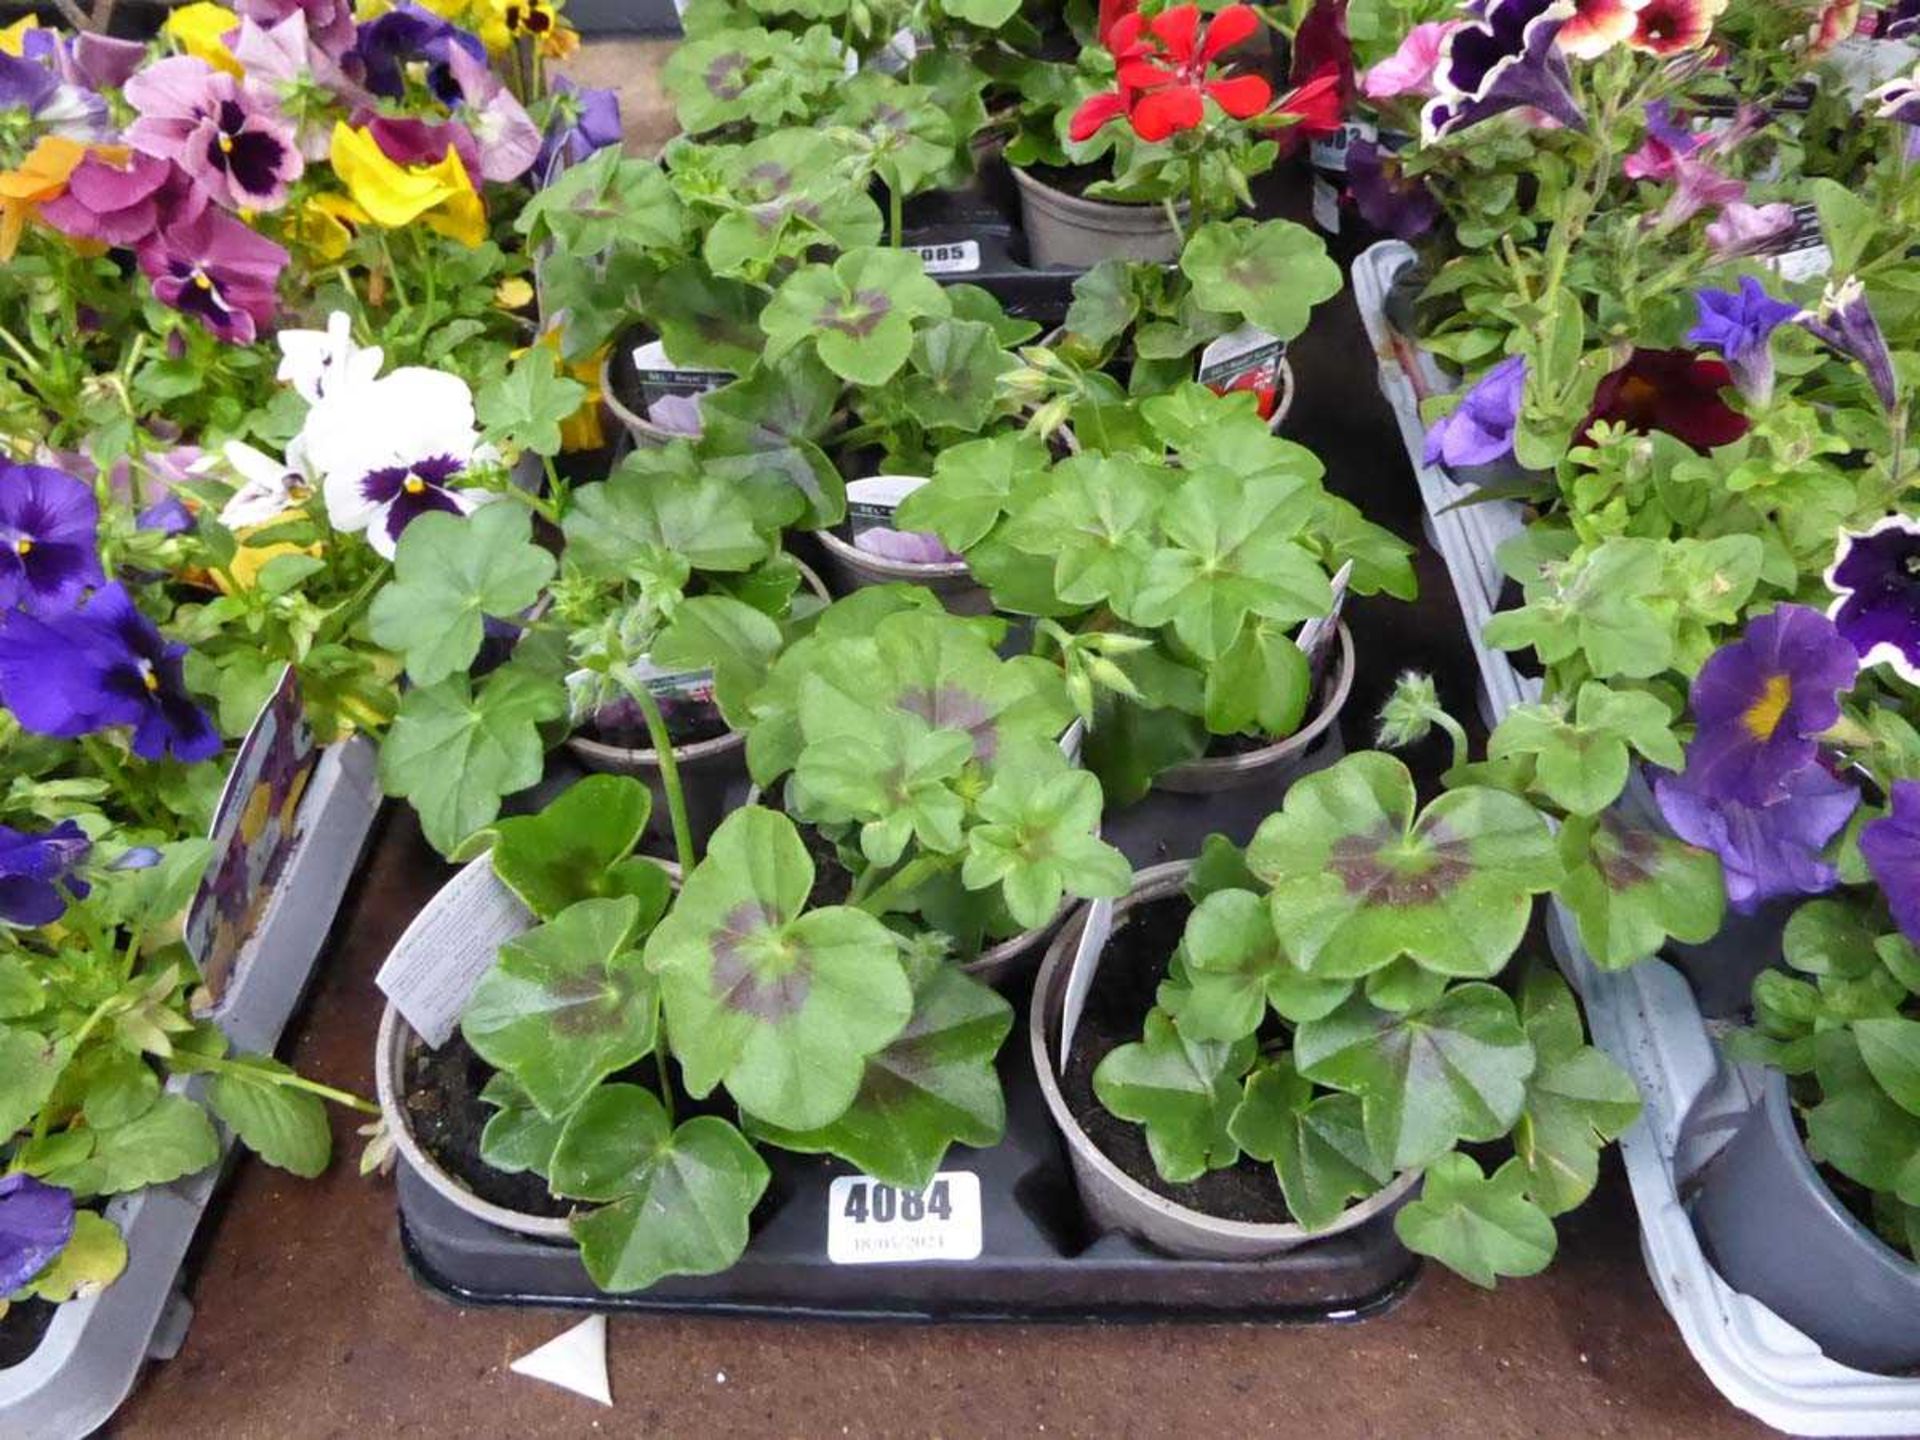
x,y
49,546
1386,198
219,271
409,141
1672,390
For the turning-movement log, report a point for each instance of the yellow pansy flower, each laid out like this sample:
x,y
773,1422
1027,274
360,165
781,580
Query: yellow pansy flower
x,y
41,176
501,22
13,38
513,293
393,195
325,225
201,29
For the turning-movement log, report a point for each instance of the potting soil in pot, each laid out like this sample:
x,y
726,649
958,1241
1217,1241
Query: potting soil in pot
x,y
444,1106
22,1329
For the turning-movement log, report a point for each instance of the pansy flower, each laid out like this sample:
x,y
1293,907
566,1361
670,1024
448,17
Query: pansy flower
x,y
1672,390
1762,702
504,134
98,666
36,1221
583,121
440,194
1409,70
1891,848
219,271
1671,27
393,450
233,142
201,30
1480,430
322,363
54,106
1164,67
37,872
1740,325
49,546
41,177
284,58
387,44
1766,851
1505,56
328,24
1599,25
269,488
1845,322
1875,579
121,197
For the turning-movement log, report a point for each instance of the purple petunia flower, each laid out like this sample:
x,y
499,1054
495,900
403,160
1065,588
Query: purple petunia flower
x,y
1743,229
1876,577
49,548
583,121
100,666
1385,198
36,1221
1740,325
1504,56
36,872
1480,431
1891,848
387,43
1845,322
231,139
1899,101
1765,851
219,271
1762,701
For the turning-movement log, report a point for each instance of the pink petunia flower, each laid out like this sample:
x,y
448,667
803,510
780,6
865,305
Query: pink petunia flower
x,y
1409,70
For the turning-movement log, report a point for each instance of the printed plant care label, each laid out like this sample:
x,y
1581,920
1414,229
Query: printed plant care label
x,y
1316,636
1329,152
685,698
1094,934
430,974
660,378
1245,359
1801,253
870,1223
950,257
871,502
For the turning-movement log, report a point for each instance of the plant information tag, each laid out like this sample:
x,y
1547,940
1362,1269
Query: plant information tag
x,y
869,1223
660,378
1094,934
1315,634
871,502
1329,152
1801,253
1245,359
953,257
430,974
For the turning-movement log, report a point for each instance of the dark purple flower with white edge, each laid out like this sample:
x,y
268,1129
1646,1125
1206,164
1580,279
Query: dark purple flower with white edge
x,y
1743,229
1876,579
392,449
1387,199
49,540
36,872
388,43
99,666
1899,101
1845,322
1504,56
1766,851
219,271
1480,430
233,140
583,121
1762,702
1740,325
36,1221
1891,848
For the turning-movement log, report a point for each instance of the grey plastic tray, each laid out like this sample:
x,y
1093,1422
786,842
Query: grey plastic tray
x,y
91,1354
1646,1018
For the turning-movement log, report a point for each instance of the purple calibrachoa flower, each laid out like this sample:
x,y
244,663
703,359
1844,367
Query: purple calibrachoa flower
x,y
1665,146
1876,579
1743,229
583,121
126,204
1740,325
1765,851
49,545
1502,57
230,138
219,271
36,872
1891,848
1761,702
1386,199
100,666
1845,322
36,1221
386,44
1480,430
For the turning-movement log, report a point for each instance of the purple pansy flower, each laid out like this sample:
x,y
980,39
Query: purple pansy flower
x,y
1740,325
1480,431
36,872
584,120
49,550
1765,851
507,138
1385,198
1743,229
1891,848
99,666
328,23
1762,702
230,138
168,515
283,57
219,271
1876,577
1845,322
54,105
406,33
87,61
126,204
36,1221
1503,56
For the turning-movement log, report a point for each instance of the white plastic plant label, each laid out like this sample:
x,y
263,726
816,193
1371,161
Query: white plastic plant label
x,y
660,378
950,257
1245,359
1329,152
430,974
871,1223
1315,635
685,698
1326,205
871,504
1094,934
1801,253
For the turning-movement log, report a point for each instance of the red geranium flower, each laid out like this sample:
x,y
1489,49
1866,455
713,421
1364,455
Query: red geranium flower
x,y
1316,107
1163,73
1672,390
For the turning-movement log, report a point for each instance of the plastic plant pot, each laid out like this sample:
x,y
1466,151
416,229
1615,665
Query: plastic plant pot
x,y
1070,230
852,568
1722,971
1775,1231
1113,1199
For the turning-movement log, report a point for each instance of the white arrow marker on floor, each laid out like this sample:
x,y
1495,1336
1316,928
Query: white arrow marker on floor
x,y
575,1360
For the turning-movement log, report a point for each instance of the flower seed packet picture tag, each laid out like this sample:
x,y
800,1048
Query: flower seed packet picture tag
x,y
1245,359
871,504
685,698
672,390
254,829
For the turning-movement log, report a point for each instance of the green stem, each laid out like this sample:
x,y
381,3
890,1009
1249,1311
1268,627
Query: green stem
x,y
896,212
1462,751
661,1050
904,881
291,1081
104,760
669,767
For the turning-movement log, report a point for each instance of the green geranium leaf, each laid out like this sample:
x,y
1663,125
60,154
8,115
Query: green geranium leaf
x,y
780,197
566,1004
282,1125
1270,272
730,638
1479,1227
952,379
456,752
858,312
1221,865
1581,760
639,523
1455,1070
525,407
933,1086
1036,838
1093,516
92,1259
611,198
766,76
1631,888
1316,1145
573,849
893,782
763,432
782,1004
1235,968
1262,683
1226,432
676,1200
1382,562
450,573
909,140
1184,1091
1358,880
517,1137
1577,1098
1105,302
973,485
